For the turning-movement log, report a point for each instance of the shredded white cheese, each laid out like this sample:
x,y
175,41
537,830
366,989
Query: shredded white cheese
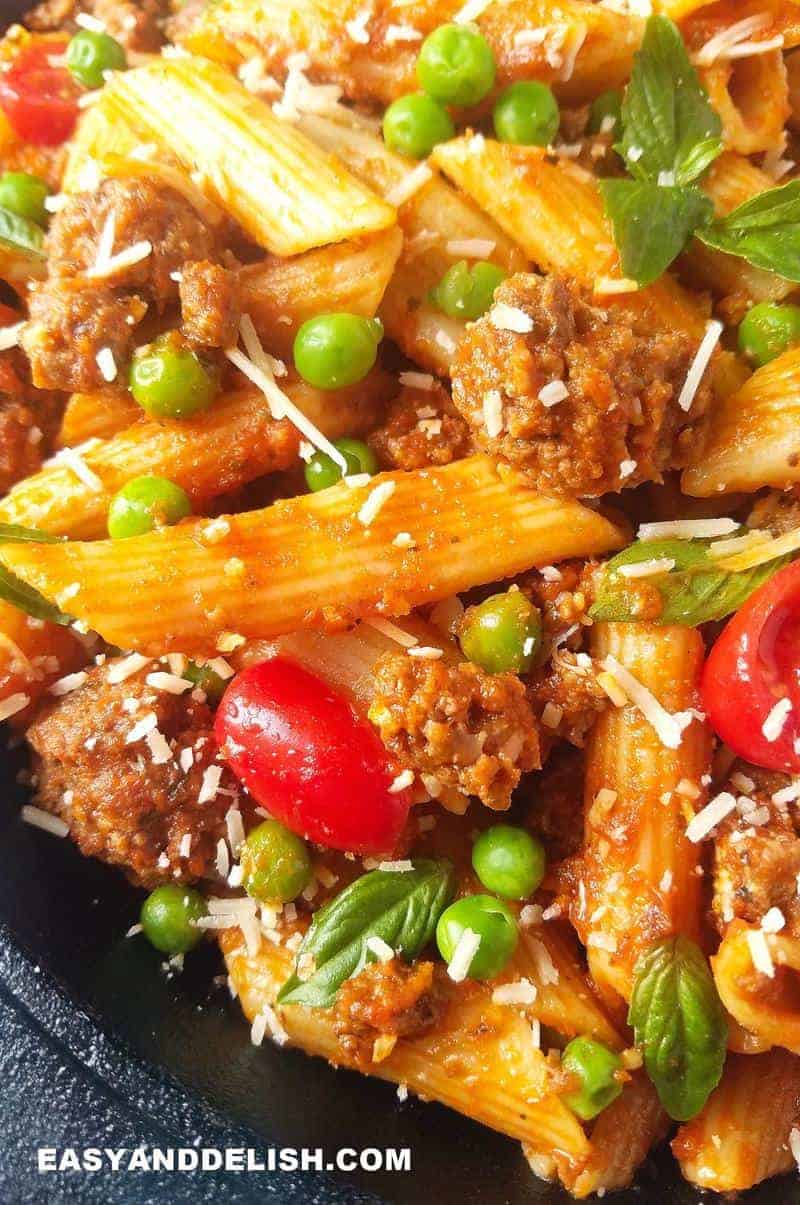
x,y
759,952
409,185
647,568
401,781
418,380
387,628
700,363
776,720
709,817
170,683
380,948
401,33
470,248
470,11
126,258
520,992
209,785
687,529
44,820
14,703
668,727
493,413
552,393
121,670
466,949
9,335
63,686
773,920
375,502
107,364
510,318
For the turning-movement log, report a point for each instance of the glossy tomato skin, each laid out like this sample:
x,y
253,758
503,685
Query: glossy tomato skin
x,y
39,100
309,759
753,665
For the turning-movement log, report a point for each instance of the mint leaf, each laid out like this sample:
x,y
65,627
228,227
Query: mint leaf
x,y
400,907
679,1024
13,533
666,113
21,234
764,230
652,224
696,591
16,592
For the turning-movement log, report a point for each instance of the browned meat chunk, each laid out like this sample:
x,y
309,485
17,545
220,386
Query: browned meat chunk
x,y
73,314
456,725
137,24
566,697
618,422
777,513
209,304
757,852
129,801
29,420
387,999
422,427
563,593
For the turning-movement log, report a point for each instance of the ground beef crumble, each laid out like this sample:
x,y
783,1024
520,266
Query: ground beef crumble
x,y
121,806
29,420
620,423
137,24
467,729
566,697
421,428
386,999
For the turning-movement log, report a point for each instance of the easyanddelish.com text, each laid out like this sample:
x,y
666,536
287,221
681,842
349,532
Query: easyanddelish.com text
x,y
212,1159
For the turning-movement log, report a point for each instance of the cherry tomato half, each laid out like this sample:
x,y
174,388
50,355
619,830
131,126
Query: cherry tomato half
x,y
309,759
39,100
754,665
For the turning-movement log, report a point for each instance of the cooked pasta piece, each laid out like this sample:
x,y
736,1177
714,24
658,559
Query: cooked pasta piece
x,y
757,978
325,559
280,294
32,655
741,1137
436,221
753,435
96,416
583,48
620,1140
793,81
502,1078
751,96
555,213
261,171
638,878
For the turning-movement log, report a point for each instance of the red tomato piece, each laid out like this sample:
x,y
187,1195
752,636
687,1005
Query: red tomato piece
x,y
754,665
39,100
304,754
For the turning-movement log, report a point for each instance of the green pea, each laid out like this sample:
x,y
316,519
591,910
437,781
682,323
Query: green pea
x,y
413,125
90,54
494,923
144,504
465,292
276,863
595,1068
767,330
503,633
169,916
206,679
24,195
323,471
526,113
509,861
456,65
171,381
606,105
334,350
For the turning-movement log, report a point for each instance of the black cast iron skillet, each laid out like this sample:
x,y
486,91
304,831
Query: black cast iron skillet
x,y
99,1048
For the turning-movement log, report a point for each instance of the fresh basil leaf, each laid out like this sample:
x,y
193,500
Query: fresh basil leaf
x,y
652,224
21,234
679,1024
695,591
666,114
13,533
25,598
400,907
764,230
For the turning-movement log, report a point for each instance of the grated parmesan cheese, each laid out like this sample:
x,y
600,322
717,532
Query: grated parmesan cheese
x,y
107,364
470,11
387,628
63,686
776,720
13,704
724,45
380,948
399,866
356,29
773,920
493,413
209,785
471,248
159,748
122,670
44,820
146,724
699,365
647,568
466,949
410,184
552,393
401,33
510,318
375,502
759,952
425,652
170,683
404,779
668,727
72,459
9,336
520,992
418,380
709,817
126,258
686,529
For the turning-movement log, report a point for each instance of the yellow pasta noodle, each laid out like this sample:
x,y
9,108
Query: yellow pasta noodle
x,y
639,871
741,1137
753,438
262,171
620,1140
271,571
764,1004
751,95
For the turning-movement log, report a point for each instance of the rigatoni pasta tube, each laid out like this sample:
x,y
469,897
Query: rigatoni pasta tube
x,y
620,1140
555,212
753,436
764,1004
584,48
501,1080
751,95
286,194
272,571
640,874
741,1137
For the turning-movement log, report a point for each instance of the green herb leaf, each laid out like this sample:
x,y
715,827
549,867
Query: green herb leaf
x,y
13,533
668,122
25,598
402,908
696,591
21,234
679,1024
652,224
764,230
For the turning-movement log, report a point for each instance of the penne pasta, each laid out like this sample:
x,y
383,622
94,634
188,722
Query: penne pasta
x,y
741,1137
261,171
611,1164
555,212
433,219
752,437
763,1004
751,96
582,47
267,572
501,1078
96,416
280,294
639,873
